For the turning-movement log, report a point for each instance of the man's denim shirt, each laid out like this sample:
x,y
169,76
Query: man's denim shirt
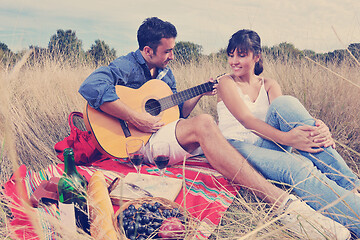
x,y
130,70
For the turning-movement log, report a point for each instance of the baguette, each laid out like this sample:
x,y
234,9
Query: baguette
x,y
100,209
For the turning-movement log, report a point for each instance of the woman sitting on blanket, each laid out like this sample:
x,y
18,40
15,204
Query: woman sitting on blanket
x,y
263,126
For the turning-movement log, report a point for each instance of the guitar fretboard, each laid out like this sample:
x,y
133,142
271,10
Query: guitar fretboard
x,y
180,97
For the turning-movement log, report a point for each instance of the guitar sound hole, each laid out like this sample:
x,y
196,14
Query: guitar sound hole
x,y
153,107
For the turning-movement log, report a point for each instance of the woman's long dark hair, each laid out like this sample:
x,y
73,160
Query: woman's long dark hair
x,y
244,41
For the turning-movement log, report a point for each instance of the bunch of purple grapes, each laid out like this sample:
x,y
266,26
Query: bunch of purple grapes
x,y
145,221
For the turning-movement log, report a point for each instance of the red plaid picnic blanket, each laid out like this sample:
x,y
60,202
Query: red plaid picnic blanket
x,y
207,195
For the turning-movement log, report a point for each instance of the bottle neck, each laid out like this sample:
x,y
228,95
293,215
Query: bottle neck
x,y
70,167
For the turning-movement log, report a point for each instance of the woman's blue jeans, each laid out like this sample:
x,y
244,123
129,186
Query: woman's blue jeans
x,y
323,179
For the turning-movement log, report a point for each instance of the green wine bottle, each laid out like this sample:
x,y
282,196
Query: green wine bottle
x,y
72,196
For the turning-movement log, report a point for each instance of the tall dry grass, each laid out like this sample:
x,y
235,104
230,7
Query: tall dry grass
x,y
36,101
330,93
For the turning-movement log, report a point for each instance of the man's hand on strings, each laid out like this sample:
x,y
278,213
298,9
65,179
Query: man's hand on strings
x,y
145,122
214,91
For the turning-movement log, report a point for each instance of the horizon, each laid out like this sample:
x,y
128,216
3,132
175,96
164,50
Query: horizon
x,y
321,26
345,47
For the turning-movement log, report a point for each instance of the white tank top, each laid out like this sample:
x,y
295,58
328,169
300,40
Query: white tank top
x,y
231,128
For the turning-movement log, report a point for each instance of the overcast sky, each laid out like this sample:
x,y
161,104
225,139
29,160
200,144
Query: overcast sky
x,y
308,24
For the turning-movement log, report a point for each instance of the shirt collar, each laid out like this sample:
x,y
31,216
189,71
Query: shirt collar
x,y
140,59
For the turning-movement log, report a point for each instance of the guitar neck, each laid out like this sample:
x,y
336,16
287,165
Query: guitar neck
x,y
180,97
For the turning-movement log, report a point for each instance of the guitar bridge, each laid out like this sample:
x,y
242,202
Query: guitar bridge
x,y
125,128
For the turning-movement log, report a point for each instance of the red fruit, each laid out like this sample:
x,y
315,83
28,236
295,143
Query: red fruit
x,y
171,229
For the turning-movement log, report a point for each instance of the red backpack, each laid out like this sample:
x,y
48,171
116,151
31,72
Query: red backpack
x,y
79,140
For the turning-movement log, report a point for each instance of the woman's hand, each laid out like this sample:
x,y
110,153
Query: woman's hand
x,y
302,138
311,139
322,135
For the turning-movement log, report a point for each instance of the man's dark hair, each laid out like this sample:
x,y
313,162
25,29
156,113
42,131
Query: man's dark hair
x,y
152,30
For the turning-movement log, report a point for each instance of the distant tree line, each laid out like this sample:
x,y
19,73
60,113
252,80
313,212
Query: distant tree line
x,y
287,51
6,55
65,46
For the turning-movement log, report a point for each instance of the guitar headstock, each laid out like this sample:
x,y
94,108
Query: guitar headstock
x,y
220,76
215,81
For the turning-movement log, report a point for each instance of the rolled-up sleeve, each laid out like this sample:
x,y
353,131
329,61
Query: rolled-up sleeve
x,y
99,87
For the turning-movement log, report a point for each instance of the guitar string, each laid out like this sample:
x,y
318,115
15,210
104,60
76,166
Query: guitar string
x,y
187,94
179,97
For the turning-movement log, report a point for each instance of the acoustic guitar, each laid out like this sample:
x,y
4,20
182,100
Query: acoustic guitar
x,y
110,134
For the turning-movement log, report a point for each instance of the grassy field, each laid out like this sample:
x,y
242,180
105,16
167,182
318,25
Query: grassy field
x,y
36,101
